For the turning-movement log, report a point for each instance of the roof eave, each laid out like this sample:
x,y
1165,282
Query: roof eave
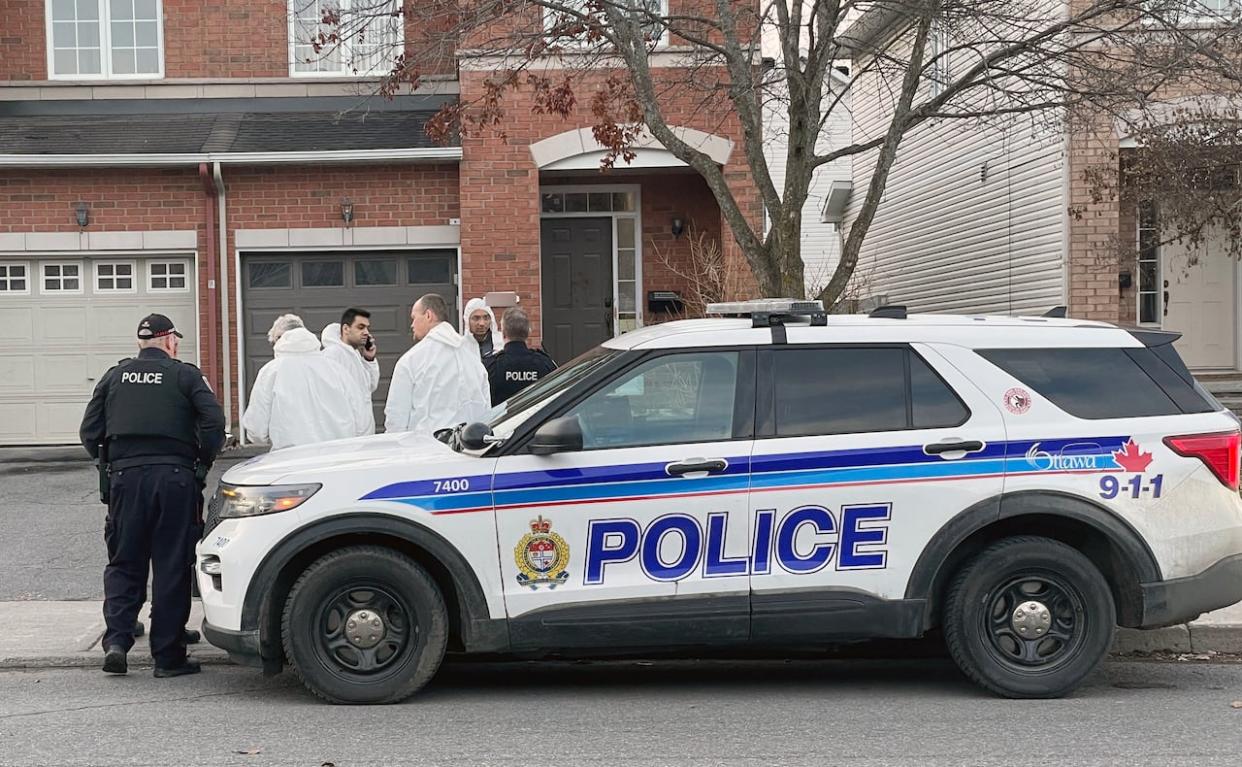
x,y
345,156
861,37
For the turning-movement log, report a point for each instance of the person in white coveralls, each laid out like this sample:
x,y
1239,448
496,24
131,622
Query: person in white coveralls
x,y
478,323
440,381
297,398
351,346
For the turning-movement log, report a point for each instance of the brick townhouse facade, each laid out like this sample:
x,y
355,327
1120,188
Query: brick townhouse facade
x,y
182,157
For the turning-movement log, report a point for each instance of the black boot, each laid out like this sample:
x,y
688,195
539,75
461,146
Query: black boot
x,y
115,661
192,636
188,666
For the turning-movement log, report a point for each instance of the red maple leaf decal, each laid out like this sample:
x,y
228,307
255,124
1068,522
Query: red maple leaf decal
x,y
1131,458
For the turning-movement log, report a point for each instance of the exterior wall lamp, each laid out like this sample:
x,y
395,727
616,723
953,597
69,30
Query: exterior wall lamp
x,y
82,212
347,210
679,226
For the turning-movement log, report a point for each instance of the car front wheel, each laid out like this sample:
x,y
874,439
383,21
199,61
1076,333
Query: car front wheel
x,y
1029,617
365,624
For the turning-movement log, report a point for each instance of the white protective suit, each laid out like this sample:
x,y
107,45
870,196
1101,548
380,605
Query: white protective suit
x,y
439,382
364,376
297,398
472,306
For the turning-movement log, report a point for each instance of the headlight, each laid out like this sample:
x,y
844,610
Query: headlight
x,y
252,501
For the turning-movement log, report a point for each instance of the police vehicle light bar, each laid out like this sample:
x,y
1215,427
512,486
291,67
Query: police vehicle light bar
x,y
787,306
772,313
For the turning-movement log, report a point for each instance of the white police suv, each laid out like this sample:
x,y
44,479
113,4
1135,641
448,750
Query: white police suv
x,y
774,476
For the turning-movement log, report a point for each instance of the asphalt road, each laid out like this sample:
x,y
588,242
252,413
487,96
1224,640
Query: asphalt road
x,y
628,713
51,525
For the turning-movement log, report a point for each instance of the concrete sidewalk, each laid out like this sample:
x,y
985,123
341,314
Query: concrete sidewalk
x,y
67,634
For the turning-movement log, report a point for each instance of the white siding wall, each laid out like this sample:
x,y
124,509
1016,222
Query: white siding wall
x,y
945,240
820,241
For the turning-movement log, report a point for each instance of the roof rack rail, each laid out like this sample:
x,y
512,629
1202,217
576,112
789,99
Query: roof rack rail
x,y
1057,312
889,312
772,312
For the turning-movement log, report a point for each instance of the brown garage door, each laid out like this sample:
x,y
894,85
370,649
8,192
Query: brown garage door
x,y
319,286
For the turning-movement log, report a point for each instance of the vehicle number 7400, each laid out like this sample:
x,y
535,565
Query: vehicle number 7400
x,y
452,485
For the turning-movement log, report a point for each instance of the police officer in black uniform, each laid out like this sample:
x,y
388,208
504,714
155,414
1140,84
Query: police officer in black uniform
x,y
156,425
514,367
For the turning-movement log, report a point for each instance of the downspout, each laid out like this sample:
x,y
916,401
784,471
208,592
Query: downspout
x,y
209,362
226,357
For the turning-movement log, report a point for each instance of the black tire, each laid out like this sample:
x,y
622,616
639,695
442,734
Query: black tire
x,y
982,618
385,585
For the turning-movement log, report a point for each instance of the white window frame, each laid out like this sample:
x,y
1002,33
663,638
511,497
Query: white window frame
x,y
133,277
43,289
168,262
1139,292
583,43
1197,15
105,46
345,71
6,291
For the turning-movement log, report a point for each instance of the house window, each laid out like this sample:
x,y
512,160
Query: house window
x,y
114,277
15,279
167,277
1192,12
62,278
105,38
938,73
353,37
1149,293
565,28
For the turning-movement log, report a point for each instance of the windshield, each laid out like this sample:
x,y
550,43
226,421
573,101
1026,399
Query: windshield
x,y
506,417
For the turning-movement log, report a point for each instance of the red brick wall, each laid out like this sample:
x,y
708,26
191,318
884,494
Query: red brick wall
x,y
23,40
226,38
500,186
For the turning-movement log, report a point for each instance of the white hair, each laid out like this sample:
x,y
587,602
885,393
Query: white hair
x,y
283,324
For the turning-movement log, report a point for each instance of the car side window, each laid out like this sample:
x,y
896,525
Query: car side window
x,y
676,398
853,390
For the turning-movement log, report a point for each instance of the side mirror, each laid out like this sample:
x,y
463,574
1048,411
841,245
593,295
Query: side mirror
x,y
474,435
560,435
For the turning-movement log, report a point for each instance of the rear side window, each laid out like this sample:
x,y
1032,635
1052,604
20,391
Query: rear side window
x,y
1093,383
851,390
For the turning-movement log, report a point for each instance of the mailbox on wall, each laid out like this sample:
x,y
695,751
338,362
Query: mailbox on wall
x,y
668,301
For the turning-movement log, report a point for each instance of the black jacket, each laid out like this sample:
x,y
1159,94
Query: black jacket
x,y
515,367
163,435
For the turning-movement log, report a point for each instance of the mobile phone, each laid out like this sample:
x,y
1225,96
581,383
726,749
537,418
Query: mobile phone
x,y
370,343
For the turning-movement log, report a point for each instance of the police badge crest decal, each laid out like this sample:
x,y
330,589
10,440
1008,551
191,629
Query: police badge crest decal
x,y
541,556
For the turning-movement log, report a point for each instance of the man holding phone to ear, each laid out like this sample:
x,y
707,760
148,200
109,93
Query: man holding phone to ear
x,y
351,345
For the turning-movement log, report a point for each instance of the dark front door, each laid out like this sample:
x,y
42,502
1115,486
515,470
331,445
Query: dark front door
x,y
577,285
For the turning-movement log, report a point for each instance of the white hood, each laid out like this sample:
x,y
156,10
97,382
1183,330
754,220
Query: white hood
x,y
331,335
296,341
472,306
360,455
444,333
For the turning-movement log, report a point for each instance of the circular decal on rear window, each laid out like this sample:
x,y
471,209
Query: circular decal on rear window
x,y
1017,400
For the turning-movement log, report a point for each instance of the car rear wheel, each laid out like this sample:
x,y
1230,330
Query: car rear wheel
x,y
365,624
1029,617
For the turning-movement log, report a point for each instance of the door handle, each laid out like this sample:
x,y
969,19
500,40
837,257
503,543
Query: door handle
x,y
965,446
696,466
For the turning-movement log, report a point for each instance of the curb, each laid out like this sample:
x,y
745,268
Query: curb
x,y
1199,638
212,657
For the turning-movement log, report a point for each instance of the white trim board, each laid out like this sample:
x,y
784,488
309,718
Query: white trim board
x,y
348,237
73,242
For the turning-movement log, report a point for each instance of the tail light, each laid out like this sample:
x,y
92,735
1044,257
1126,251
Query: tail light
x,y
1219,452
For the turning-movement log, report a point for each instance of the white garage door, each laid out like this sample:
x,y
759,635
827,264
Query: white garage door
x,y
66,321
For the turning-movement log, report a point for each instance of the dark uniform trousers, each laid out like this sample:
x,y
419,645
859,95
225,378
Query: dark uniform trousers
x,y
152,523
